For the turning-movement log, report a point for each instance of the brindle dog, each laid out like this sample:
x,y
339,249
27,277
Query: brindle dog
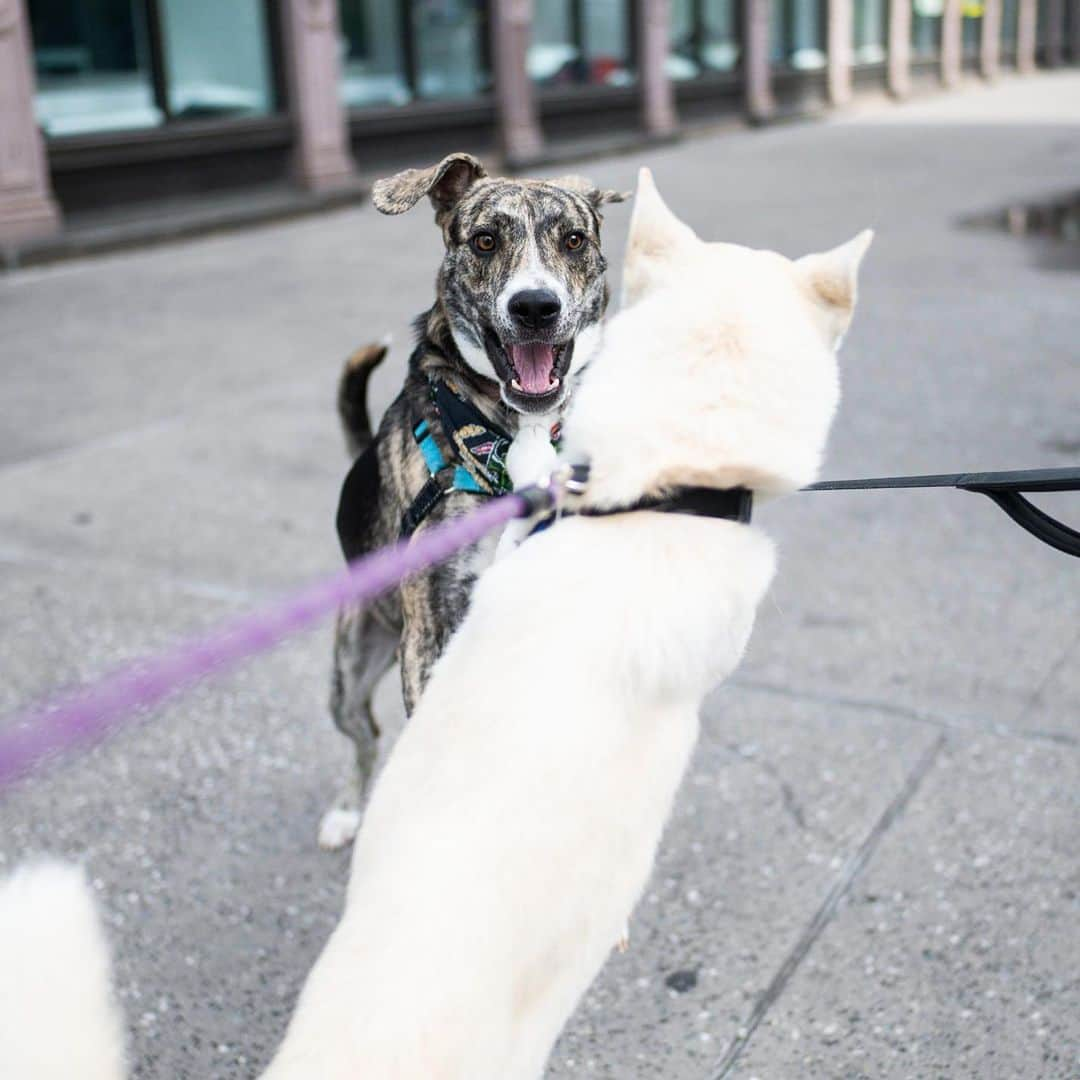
x,y
517,315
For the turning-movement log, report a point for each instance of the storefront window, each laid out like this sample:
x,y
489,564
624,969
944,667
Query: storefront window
x,y
871,31
216,58
93,66
396,51
704,36
926,27
449,37
581,41
798,34
972,12
1010,13
372,64
114,65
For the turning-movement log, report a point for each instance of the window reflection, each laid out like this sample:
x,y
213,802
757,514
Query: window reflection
x,y
93,67
1010,12
216,57
581,41
798,34
395,51
372,65
450,58
704,36
972,12
926,27
871,30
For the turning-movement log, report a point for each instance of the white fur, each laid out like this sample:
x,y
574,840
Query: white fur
x,y
531,459
57,1017
586,345
514,827
475,355
515,824
338,827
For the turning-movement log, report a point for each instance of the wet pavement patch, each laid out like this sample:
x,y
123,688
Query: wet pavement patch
x,y
1057,218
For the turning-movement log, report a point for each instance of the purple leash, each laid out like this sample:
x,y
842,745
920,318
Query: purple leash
x,y
88,714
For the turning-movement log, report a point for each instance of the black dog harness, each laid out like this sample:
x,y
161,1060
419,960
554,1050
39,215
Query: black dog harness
x,y
728,504
478,448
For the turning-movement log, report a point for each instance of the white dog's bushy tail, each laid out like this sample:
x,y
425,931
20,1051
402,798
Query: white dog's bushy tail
x,y
58,1019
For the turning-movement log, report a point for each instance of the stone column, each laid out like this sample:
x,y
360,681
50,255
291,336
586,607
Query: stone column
x,y
1055,32
657,93
952,44
519,124
990,42
841,33
899,64
310,33
1025,36
27,208
757,69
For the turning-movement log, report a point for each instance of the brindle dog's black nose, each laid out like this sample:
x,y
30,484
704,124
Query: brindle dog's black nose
x,y
534,309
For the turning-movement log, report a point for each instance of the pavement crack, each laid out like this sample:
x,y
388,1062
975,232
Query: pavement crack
x,y
963,725
825,913
787,795
1044,682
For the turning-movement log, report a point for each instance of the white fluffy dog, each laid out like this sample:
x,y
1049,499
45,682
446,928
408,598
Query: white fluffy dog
x,y
515,824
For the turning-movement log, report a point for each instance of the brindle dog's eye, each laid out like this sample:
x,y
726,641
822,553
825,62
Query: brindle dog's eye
x,y
484,243
575,241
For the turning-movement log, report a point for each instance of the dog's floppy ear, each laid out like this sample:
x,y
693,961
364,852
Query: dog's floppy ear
x,y
444,183
832,278
596,196
656,236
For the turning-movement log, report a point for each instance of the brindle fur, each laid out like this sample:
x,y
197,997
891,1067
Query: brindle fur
x,y
415,622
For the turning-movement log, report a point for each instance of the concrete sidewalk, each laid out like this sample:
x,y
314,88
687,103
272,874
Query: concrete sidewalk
x,y
873,866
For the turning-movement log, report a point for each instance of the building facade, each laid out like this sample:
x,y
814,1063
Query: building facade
x,y
112,102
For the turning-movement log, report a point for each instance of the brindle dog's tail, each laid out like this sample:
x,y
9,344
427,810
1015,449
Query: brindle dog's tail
x,y
352,395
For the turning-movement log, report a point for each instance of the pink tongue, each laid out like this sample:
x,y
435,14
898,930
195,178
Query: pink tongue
x,y
534,364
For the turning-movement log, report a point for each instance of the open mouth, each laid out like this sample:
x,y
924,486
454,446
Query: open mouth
x,y
532,372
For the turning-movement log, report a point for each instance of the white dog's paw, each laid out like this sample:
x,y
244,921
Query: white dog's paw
x,y
338,828
531,457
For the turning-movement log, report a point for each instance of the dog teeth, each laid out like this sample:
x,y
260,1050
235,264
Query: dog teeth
x,y
554,382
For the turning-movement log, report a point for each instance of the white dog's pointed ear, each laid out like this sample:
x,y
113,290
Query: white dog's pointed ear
x,y
656,235
444,184
832,278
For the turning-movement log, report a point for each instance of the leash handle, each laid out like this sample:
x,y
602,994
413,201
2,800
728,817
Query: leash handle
x,y
1003,488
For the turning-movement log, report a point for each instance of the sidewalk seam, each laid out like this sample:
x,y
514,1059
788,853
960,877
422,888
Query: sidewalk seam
x,y
887,708
824,914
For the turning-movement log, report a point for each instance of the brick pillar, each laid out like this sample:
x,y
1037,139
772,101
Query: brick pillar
x,y
952,43
310,33
519,124
899,63
841,34
657,93
1025,36
1055,32
27,208
990,42
757,69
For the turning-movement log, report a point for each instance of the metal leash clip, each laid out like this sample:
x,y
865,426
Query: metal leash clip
x,y
545,502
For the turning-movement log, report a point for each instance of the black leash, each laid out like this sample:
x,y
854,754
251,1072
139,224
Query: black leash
x,y
1004,488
